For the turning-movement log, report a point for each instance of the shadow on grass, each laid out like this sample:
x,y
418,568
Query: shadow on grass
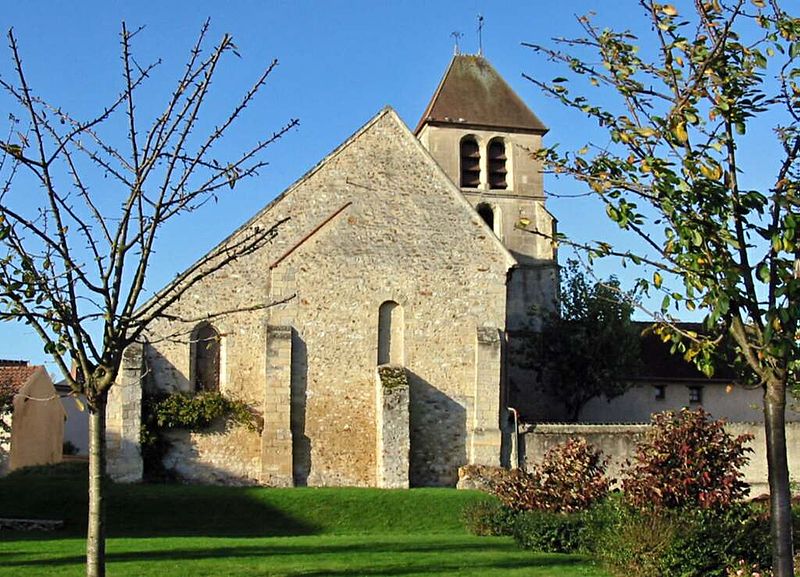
x,y
140,510
448,557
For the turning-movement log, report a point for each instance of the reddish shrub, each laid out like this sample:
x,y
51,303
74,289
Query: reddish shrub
x,y
687,460
570,478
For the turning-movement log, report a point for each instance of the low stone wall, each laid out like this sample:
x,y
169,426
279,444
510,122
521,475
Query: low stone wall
x,y
224,454
619,442
393,441
31,524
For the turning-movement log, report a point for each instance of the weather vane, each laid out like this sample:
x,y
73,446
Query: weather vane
x,y
480,34
457,35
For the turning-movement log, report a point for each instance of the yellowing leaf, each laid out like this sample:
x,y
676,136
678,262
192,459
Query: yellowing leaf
x,y
669,10
759,3
712,170
657,280
680,132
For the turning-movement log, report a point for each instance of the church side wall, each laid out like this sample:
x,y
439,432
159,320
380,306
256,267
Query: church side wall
x,y
376,223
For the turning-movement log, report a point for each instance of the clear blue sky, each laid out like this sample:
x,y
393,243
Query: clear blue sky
x,y
340,63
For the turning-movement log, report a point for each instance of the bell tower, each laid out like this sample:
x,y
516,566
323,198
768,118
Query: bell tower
x,y
482,134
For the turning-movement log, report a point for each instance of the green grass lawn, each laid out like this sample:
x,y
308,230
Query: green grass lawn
x,y
178,530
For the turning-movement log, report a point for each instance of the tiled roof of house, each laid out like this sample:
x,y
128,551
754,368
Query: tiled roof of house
x,y
473,94
659,364
15,373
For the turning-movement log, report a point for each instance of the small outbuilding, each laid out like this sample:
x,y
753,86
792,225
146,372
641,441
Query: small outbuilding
x,y
32,424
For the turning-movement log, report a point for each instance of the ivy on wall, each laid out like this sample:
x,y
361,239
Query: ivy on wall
x,y
196,413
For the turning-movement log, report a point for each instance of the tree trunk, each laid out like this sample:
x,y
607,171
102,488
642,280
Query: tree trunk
x,y
96,537
777,464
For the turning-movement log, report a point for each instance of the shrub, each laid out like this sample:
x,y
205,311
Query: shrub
x,y
481,477
745,569
197,412
488,518
570,478
549,532
517,490
628,542
689,543
687,460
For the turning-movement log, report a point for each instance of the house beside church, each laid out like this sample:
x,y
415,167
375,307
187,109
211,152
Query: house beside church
x,y
32,423
424,251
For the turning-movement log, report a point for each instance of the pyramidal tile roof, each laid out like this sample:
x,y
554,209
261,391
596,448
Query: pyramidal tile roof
x,y
15,373
473,94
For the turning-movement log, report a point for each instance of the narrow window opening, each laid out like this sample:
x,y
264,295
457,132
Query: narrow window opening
x,y
695,395
661,392
206,358
470,163
487,214
497,164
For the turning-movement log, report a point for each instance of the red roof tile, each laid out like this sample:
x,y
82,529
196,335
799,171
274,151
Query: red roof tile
x,y
15,373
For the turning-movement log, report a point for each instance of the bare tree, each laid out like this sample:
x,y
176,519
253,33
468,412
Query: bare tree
x,y
82,203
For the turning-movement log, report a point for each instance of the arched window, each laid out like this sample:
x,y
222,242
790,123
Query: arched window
x,y
487,214
390,334
470,163
206,344
496,153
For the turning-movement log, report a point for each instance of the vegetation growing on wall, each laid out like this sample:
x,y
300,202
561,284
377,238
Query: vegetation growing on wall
x,y
393,377
195,413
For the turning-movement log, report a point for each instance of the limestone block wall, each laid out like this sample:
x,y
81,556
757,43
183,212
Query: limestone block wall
x,y
377,221
124,417
619,442
393,446
524,173
519,210
485,433
616,441
222,455
276,438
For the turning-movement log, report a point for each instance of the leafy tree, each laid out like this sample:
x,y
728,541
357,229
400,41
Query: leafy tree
x,y
679,108
590,347
82,203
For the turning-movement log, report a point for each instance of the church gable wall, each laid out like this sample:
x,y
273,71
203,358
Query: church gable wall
x,y
402,239
376,222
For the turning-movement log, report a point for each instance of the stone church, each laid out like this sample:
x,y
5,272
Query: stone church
x,y
409,262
